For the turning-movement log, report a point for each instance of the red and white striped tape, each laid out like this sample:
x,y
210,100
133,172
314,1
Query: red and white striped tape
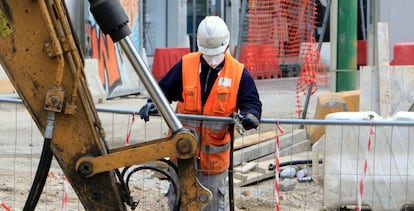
x,y
4,206
277,165
130,129
66,188
361,182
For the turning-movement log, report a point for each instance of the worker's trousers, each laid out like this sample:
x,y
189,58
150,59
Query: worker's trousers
x,y
215,183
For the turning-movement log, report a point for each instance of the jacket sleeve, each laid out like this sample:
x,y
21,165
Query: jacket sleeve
x,y
248,100
171,84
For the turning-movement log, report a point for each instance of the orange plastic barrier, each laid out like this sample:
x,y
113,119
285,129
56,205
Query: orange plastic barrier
x,y
361,53
165,58
260,60
403,54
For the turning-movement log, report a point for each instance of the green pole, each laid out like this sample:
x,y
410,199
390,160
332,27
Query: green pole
x,y
347,45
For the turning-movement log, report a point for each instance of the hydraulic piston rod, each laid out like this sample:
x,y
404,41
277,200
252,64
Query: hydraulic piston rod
x,y
150,84
113,21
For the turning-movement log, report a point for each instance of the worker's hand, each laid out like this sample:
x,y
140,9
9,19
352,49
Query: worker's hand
x,y
249,121
148,109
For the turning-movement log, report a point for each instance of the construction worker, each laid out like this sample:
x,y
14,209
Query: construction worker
x,y
211,82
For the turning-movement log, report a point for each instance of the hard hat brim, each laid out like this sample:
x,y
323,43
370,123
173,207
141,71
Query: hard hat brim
x,y
212,51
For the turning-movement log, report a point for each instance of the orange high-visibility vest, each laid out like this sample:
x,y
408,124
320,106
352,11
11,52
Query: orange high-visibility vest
x,y
214,151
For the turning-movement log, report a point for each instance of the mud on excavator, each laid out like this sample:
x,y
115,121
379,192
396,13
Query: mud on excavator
x,y
40,54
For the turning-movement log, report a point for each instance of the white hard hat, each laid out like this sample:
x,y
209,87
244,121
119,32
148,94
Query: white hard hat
x,y
213,36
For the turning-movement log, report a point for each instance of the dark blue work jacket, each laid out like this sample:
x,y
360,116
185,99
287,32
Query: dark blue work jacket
x,y
248,100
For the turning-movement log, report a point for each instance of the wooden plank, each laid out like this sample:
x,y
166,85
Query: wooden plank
x,y
385,95
268,147
383,44
253,139
239,177
253,177
248,167
369,89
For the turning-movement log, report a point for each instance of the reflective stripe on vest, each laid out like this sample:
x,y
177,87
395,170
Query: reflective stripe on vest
x,y
191,123
215,149
215,126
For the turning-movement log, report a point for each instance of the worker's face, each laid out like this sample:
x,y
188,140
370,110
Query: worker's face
x,y
214,61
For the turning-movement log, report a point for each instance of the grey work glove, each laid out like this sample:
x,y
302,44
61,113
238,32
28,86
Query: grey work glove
x,y
249,121
147,109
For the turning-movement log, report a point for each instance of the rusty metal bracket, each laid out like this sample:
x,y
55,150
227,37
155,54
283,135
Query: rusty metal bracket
x,y
182,145
54,99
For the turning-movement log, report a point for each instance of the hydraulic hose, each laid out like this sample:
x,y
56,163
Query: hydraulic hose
x,y
40,178
43,167
129,200
272,166
175,185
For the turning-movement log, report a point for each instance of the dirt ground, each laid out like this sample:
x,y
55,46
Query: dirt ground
x,y
21,143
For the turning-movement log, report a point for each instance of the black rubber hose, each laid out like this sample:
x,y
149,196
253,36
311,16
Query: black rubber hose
x,y
125,194
129,200
176,187
272,166
40,177
297,162
170,163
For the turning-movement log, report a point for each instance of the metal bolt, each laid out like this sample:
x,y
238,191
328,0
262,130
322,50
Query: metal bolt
x,y
184,146
54,100
203,197
85,167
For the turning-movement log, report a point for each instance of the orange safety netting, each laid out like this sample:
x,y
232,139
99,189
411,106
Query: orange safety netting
x,y
279,35
261,49
310,75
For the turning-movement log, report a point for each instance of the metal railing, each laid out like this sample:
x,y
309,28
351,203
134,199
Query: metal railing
x,y
343,151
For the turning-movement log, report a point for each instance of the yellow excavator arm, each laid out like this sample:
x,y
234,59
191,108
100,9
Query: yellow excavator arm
x,y
41,56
